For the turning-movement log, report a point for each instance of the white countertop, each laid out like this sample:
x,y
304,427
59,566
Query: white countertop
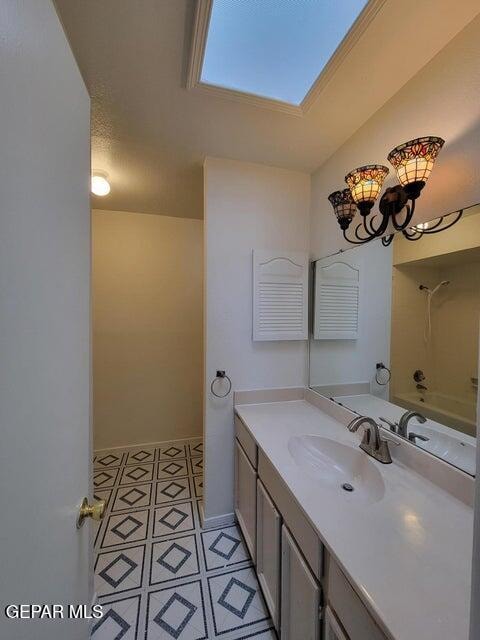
x,y
408,555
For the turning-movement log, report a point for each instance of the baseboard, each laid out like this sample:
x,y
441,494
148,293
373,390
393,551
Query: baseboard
x,y
215,522
146,445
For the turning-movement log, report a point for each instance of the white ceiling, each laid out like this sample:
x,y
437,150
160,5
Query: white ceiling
x,y
151,134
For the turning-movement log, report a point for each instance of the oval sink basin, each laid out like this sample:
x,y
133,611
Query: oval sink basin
x,y
333,464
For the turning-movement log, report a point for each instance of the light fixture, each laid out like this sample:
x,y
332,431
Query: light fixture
x,y
365,184
344,207
100,185
413,162
433,226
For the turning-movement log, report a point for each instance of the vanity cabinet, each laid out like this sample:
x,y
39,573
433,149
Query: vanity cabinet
x,y
269,526
246,498
332,628
300,595
296,574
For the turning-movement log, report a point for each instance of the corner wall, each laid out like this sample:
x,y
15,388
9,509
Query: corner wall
x,y
147,328
247,206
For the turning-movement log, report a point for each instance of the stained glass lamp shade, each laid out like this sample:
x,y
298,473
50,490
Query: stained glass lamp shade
x,y
365,184
343,206
413,162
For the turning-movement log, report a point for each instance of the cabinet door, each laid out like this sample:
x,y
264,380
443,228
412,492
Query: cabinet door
x,y
300,600
245,497
269,526
333,630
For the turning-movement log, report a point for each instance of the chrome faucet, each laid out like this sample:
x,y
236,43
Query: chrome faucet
x,y
405,419
372,442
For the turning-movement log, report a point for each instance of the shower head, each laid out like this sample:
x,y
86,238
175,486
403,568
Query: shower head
x,y
440,284
443,283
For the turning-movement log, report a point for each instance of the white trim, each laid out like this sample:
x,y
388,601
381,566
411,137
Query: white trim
x,y
203,10
216,521
147,444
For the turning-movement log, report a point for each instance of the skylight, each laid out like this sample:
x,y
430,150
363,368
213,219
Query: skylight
x,y
274,48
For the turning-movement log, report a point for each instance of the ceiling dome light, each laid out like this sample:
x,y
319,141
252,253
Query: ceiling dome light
x,y
100,185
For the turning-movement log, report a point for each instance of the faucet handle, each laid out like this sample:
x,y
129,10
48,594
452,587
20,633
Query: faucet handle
x,y
392,425
413,437
391,441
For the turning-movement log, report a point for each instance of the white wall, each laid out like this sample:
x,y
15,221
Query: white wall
x,y
349,361
442,99
247,206
147,328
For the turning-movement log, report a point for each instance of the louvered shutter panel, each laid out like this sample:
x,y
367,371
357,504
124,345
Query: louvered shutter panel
x,y
336,302
280,295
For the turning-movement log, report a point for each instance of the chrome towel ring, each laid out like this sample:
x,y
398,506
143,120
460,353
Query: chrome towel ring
x,y
381,367
221,375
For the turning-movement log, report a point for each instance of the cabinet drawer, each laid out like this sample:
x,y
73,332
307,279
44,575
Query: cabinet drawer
x,y
247,442
348,607
246,498
269,527
302,531
300,595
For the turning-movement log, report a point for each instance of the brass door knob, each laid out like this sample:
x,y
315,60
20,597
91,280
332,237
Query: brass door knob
x,y
95,511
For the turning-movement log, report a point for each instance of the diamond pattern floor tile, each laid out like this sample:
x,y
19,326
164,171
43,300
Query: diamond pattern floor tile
x,y
196,466
108,459
139,495
120,620
172,451
172,469
178,612
236,600
119,571
137,473
105,478
140,456
125,528
157,574
223,547
174,559
175,518
170,490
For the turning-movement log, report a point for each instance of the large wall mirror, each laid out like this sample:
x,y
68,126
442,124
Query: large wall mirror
x,y
395,335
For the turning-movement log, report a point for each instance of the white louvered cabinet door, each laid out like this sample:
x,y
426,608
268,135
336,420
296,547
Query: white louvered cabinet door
x,y
337,294
280,295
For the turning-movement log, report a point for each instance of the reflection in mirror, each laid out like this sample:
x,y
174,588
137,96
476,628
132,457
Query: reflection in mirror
x,y
395,335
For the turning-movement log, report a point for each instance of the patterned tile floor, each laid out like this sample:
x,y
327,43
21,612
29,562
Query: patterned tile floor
x,y
158,575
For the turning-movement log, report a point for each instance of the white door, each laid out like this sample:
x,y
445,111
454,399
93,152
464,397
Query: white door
x,y
45,440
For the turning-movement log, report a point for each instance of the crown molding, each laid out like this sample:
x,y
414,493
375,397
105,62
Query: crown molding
x,y
203,10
